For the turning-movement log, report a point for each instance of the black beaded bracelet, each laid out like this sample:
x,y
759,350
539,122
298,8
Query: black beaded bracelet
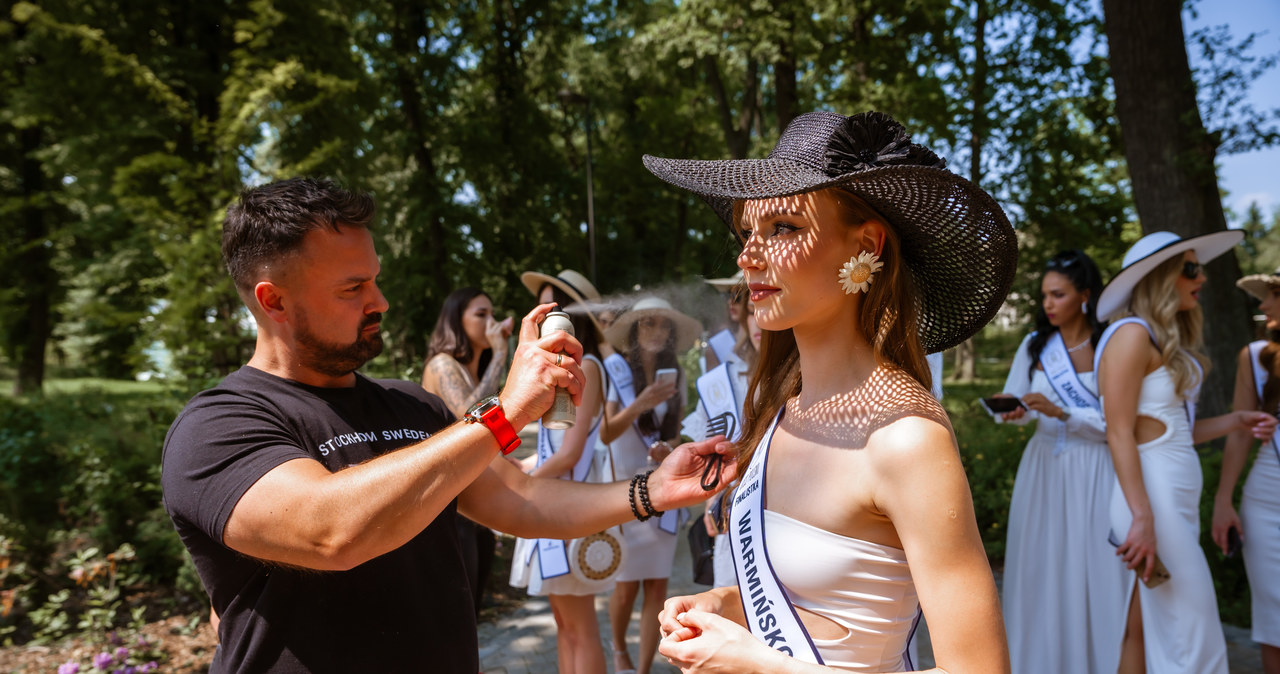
x,y
644,497
631,498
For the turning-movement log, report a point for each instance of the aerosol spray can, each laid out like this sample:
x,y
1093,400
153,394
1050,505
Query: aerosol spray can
x,y
562,414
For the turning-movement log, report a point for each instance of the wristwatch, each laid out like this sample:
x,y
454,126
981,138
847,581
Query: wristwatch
x,y
488,411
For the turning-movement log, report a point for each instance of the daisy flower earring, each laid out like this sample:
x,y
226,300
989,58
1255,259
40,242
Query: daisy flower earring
x,y
855,275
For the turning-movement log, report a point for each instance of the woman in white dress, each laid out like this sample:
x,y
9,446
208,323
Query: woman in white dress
x,y
852,514
1063,586
569,455
1150,367
644,413
1258,523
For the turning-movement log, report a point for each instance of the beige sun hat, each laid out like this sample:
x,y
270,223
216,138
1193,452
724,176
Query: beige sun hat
x,y
574,285
687,329
726,284
1260,285
1148,252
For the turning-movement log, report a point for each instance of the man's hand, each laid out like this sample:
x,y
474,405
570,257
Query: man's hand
x,y
678,481
535,375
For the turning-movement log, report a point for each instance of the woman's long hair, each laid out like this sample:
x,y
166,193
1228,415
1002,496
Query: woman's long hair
x,y
449,336
1271,365
648,422
1178,333
888,318
1083,274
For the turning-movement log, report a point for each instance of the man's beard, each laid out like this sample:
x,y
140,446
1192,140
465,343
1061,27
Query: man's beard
x,y
337,360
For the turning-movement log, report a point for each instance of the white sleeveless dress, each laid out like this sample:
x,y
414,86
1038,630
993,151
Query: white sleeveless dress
x,y
1180,617
1064,586
1260,515
865,588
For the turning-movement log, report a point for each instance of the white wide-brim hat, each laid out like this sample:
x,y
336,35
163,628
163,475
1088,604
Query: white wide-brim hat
x,y
687,329
1149,252
726,284
575,285
1260,285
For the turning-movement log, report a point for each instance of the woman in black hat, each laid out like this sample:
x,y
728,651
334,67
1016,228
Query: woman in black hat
x,y
852,515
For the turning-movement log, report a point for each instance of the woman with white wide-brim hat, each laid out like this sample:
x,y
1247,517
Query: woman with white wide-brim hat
x,y
644,413
1257,525
853,516
1150,368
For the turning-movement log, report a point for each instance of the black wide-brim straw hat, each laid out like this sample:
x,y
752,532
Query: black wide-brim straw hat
x,y
956,241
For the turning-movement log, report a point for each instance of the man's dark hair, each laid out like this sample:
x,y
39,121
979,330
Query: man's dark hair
x,y
268,223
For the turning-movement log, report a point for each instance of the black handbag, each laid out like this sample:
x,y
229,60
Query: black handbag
x,y
702,549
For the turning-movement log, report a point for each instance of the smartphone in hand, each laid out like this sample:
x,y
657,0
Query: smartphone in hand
x,y
666,375
1233,542
995,406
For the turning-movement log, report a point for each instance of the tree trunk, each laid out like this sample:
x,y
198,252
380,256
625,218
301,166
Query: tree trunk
x,y
1170,157
36,259
966,368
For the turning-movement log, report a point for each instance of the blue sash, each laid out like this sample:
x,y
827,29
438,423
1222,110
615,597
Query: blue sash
x,y
620,374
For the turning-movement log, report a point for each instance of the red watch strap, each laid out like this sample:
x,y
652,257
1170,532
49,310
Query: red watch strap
x,y
502,430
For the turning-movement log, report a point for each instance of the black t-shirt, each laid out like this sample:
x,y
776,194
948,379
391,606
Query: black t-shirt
x,y
408,610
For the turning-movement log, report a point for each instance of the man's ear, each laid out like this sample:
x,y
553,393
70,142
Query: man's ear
x,y
270,300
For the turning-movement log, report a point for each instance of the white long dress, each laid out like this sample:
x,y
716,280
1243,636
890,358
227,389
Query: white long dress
x,y
1260,515
1182,632
1064,586
650,550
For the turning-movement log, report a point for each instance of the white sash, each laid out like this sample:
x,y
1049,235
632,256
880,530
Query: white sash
x,y
1260,378
1062,376
1189,402
715,390
770,615
722,344
553,555
620,375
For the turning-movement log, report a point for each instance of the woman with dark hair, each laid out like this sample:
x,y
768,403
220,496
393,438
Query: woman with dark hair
x,y
1150,364
852,514
1063,586
467,352
466,342
544,565
1257,525
641,430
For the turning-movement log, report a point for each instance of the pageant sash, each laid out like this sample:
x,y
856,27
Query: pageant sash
x,y
715,390
722,344
620,374
1189,402
770,615
1260,379
1062,375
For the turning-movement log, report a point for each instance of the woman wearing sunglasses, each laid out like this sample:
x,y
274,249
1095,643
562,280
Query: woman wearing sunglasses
x,y
1150,367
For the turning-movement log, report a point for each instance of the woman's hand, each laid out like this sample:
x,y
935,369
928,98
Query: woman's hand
x,y
497,333
1260,424
707,642
655,394
659,451
668,621
1139,547
1224,518
709,521
1041,404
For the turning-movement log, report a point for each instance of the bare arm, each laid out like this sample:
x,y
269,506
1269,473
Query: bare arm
x,y
301,514
922,489
1121,370
1234,455
575,439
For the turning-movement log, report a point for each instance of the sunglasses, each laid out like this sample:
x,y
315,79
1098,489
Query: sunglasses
x,y
1191,270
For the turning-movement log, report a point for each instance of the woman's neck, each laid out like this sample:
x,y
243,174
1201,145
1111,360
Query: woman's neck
x,y
834,358
649,363
1076,332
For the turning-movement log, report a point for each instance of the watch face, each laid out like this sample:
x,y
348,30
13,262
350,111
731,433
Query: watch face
x,y
481,407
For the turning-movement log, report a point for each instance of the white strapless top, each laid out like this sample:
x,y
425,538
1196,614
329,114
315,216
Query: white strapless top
x,y
864,587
